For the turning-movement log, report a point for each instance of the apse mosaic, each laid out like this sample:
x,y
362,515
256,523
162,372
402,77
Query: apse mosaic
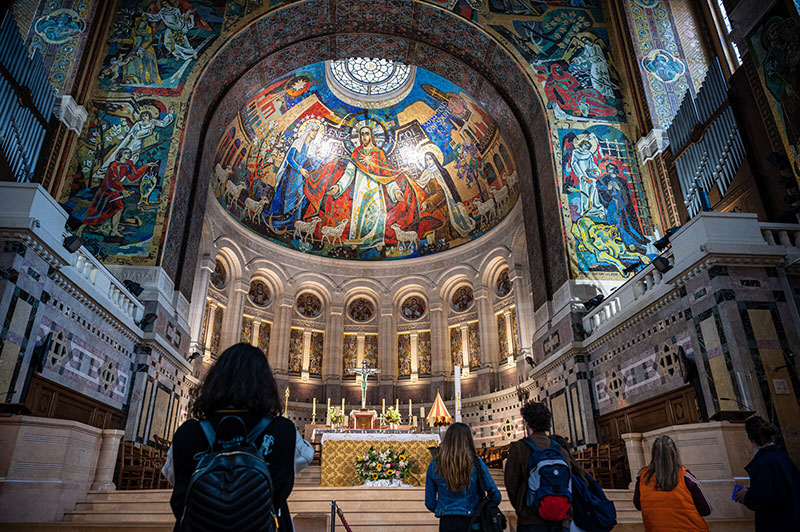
x,y
311,172
308,305
456,346
371,350
264,330
404,355
474,344
295,350
315,355
247,330
349,353
424,353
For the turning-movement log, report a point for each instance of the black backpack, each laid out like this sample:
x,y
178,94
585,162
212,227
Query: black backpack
x,y
231,488
591,509
487,513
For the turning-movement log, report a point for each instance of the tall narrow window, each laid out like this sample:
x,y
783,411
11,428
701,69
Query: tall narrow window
x,y
724,27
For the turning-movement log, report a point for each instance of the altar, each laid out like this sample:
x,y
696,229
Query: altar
x,y
339,451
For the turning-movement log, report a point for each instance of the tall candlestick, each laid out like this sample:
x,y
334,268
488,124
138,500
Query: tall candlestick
x,y
314,407
383,406
422,413
409,412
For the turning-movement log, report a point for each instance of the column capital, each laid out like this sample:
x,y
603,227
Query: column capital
x,y
240,286
208,263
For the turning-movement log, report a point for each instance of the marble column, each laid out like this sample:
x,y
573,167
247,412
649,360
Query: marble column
x,y
107,460
198,305
487,327
440,342
232,323
279,341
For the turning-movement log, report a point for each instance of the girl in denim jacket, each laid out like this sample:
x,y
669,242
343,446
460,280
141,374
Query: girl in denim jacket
x,y
451,488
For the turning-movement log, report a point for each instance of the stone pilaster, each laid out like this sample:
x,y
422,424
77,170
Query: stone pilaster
x,y
199,293
334,338
440,344
232,322
279,343
487,327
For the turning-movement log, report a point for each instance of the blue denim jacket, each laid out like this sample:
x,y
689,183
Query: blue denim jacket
x,y
441,501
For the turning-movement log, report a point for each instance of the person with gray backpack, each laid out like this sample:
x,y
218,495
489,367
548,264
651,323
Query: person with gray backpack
x,y
234,462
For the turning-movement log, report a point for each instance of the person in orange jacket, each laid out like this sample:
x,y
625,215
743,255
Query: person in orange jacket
x,y
668,495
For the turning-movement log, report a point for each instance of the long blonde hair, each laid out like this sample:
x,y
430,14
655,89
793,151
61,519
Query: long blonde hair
x,y
454,461
665,464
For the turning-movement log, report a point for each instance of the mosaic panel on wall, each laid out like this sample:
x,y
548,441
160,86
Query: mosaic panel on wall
x,y
295,350
309,305
424,353
462,299
218,276
502,335
660,56
315,355
259,293
514,333
264,332
603,203
59,32
308,171
404,355
456,347
413,308
247,329
371,350
349,353
474,345
774,45
216,330
504,285
361,310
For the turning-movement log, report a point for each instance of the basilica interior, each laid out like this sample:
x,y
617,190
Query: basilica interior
x,y
592,204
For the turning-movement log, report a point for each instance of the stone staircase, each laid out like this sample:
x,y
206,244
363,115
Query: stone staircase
x,y
387,509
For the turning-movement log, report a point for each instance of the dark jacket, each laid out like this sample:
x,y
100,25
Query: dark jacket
x,y
774,493
441,501
190,440
516,478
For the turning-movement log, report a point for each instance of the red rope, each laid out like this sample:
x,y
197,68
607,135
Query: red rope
x,y
342,519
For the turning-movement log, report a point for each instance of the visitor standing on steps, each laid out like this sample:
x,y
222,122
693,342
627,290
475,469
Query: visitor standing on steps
x,y
537,422
240,401
774,492
668,495
452,486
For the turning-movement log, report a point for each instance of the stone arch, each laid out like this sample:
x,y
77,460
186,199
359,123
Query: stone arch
x,y
283,38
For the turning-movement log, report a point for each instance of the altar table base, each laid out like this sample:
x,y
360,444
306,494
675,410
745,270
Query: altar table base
x,y
338,459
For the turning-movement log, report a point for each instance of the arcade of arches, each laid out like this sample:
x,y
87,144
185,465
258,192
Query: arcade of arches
x,y
587,203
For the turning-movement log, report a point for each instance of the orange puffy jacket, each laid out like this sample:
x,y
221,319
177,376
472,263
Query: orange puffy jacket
x,y
669,511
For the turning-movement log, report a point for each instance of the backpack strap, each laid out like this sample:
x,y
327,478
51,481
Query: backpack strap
x,y
208,430
260,427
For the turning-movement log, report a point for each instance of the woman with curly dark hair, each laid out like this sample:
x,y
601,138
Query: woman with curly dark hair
x,y
239,384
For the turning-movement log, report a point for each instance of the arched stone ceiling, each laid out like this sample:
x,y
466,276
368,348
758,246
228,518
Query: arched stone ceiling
x,y
305,169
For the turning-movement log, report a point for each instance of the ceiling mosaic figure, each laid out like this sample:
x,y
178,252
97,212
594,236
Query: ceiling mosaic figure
x,y
309,171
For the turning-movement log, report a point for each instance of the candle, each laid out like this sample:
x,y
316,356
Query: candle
x,y
314,407
422,412
383,406
414,422
342,405
397,404
409,411
329,403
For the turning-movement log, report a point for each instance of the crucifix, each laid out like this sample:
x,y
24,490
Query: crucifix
x,y
365,372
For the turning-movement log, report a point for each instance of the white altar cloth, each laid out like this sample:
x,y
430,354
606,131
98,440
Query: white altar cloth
x,y
379,436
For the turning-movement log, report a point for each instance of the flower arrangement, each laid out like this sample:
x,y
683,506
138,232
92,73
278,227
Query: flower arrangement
x,y
388,464
392,415
336,415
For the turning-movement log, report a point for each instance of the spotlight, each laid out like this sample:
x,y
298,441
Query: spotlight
x,y
662,264
193,356
73,243
633,268
147,320
133,287
529,360
662,243
592,303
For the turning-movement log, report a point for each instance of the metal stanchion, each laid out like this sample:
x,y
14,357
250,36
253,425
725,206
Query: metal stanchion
x,y
333,516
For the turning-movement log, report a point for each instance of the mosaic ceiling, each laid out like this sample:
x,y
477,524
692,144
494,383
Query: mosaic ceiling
x,y
426,171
